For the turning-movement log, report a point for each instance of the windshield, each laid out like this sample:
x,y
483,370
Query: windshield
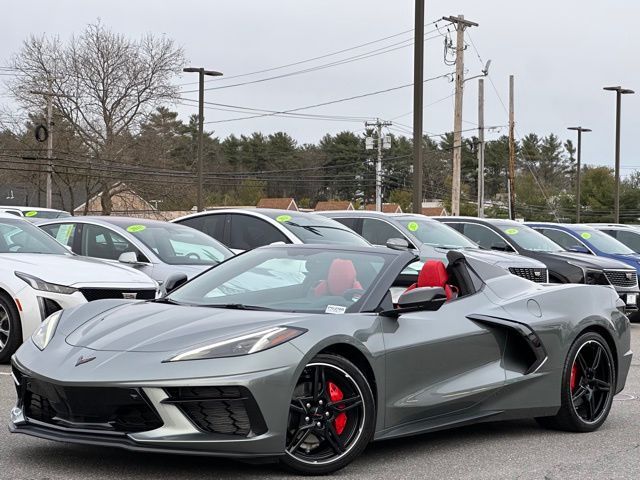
x,y
177,244
287,279
603,242
317,229
434,233
529,239
45,214
20,236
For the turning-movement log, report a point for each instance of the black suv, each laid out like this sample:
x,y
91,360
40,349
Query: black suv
x,y
563,266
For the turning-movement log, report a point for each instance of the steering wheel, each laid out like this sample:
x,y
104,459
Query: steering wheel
x,y
193,255
353,294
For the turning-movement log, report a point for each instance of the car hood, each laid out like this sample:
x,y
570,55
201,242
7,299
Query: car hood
x,y
503,259
71,270
587,261
161,327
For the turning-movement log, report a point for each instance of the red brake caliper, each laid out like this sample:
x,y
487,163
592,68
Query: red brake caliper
x,y
574,377
335,394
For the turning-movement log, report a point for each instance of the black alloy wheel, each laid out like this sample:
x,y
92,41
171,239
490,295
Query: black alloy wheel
x,y
10,331
331,416
588,386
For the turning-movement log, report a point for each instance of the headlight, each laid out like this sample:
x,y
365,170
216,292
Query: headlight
x,y
39,284
43,335
241,345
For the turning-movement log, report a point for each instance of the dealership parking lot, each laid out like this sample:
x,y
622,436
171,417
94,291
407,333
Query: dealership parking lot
x,y
497,450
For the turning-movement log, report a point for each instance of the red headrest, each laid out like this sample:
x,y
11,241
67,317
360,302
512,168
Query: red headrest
x,y
340,278
433,274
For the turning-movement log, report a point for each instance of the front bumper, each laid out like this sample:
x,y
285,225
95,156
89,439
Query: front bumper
x,y
269,390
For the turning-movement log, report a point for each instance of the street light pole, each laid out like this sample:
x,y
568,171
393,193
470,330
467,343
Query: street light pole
x,y
579,130
619,92
201,73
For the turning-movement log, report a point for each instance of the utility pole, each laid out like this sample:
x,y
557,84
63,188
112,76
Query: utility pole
x,y
461,24
49,96
418,87
381,144
481,148
579,130
619,92
512,154
201,73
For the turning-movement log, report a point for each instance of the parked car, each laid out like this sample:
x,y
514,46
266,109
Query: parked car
x,y
34,212
310,373
627,234
38,277
564,266
153,247
246,229
431,239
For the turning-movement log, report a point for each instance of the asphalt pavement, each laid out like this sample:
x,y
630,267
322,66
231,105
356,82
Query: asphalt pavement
x,y
509,450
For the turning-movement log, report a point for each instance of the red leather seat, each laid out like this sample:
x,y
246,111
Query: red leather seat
x,y
340,278
434,274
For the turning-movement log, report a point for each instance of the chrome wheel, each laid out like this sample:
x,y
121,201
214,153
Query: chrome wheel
x,y
5,327
591,381
326,416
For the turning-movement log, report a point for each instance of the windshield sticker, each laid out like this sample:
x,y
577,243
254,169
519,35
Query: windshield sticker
x,y
585,235
335,309
31,213
283,218
135,228
511,231
412,226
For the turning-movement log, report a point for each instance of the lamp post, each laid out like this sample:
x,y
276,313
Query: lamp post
x,y
619,92
201,73
579,130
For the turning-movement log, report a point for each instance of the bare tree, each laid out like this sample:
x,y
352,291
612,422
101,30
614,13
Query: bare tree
x,y
105,85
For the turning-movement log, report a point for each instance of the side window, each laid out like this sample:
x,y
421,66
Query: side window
x,y
212,225
630,239
348,222
62,232
249,232
378,232
483,236
563,239
101,242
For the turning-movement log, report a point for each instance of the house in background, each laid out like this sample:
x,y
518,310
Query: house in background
x,y
434,208
279,203
334,205
386,208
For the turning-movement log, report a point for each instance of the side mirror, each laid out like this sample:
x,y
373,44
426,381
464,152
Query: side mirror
x,y
128,257
398,244
579,249
422,298
172,282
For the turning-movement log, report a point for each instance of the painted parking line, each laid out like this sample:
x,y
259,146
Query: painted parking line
x,y
5,373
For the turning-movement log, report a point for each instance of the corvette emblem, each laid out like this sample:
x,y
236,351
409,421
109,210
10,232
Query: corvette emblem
x,y
82,360
129,295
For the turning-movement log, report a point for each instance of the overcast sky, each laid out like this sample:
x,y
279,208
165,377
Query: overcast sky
x,y
561,52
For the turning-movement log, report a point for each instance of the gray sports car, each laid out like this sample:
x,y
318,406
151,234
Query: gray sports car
x,y
298,353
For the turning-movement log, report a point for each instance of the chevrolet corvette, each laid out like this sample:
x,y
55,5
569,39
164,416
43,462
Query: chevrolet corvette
x,y
305,354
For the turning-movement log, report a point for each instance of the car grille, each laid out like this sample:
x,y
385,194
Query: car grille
x,y
622,278
538,275
223,410
92,294
107,409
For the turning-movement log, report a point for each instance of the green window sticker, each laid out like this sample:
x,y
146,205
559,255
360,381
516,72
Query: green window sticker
x,y
412,226
135,228
283,218
511,231
585,235
31,213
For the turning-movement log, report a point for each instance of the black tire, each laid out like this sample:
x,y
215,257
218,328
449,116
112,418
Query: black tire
x,y
586,400
10,328
634,317
328,447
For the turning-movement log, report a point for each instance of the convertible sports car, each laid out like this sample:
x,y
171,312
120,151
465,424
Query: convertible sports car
x,y
298,353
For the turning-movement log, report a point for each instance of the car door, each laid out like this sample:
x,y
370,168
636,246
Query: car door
x,y
630,238
101,242
565,240
64,233
439,362
378,232
483,236
247,232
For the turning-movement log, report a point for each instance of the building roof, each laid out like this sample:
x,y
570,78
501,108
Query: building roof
x,y
333,205
123,201
386,208
281,203
434,211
